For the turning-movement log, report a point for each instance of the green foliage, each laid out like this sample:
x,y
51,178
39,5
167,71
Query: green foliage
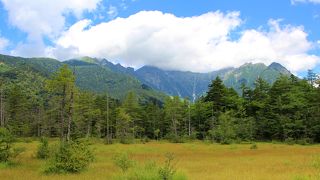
x,y
43,149
168,170
254,146
123,161
156,133
224,132
145,140
148,171
174,116
123,127
34,105
71,157
6,140
290,141
174,138
304,141
7,152
245,129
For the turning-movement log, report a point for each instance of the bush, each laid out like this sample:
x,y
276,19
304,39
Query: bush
x,y
157,134
224,132
254,146
127,140
175,138
151,171
71,157
144,140
6,150
290,141
43,149
304,141
168,170
123,161
6,140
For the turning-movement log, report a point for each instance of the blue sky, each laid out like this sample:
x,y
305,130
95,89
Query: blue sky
x,y
171,34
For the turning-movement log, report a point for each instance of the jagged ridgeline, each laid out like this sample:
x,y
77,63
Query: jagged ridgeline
x,y
90,76
193,85
100,75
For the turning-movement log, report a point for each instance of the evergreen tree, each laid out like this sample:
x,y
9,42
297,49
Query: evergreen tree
x,y
216,94
133,109
62,86
174,114
123,129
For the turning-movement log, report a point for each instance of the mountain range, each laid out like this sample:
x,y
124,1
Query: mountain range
x,y
193,85
101,75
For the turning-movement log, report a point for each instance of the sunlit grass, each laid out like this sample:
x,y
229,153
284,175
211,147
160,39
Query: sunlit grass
x,y
197,160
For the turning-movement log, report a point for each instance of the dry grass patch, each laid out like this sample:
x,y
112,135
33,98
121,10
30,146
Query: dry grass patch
x,y
197,160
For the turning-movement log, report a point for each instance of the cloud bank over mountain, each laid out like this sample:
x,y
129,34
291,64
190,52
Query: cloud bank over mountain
x,y
201,43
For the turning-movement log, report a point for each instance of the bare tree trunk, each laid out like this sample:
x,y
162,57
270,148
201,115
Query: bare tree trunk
x,y
189,114
63,104
39,123
1,109
108,125
212,121
70,115
88,129
174,126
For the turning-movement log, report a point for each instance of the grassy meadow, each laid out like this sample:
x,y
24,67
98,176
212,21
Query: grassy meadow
x,y
197,160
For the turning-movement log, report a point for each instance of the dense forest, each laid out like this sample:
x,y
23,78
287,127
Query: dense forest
x,y
287,110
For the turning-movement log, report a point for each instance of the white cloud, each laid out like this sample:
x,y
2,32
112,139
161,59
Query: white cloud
x,y
40,18
305,1
200,43
3,43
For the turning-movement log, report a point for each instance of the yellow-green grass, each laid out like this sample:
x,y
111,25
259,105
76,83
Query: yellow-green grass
x,y
197,160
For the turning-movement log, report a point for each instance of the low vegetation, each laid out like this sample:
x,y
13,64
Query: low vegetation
x,y
70,157
150,170
34,106
7,151
192,160
43,149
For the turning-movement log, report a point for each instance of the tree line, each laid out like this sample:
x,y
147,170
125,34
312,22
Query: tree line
x,y
288,110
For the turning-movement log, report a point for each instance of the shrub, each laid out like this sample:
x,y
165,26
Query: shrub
x,y
157,134
43,149
290,141
147,172
254,146
168,170
6,141
304,141
127,139
151,171
123,161
6,150
224,132
71,157
144,140
175,138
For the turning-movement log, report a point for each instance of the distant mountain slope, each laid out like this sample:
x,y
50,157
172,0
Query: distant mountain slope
x,y
91,77
97,78
193,85
189,84
100,75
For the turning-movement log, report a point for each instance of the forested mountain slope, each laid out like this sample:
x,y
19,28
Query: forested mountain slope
x,y
193,85
189,84
90,76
